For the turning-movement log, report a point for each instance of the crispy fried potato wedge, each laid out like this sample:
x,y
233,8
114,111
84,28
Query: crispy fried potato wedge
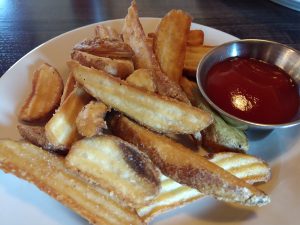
x,y
219,136
90,120
159,113
170,42
195,38
116,166
193,56
61,128
134,35
36,135
47,88
49,173
187,167
172,194
143,78
68,88
117,67
105,48
107,32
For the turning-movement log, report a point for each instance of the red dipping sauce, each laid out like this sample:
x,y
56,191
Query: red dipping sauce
x,y
253,90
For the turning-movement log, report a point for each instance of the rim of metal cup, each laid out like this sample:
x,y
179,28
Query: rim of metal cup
x,y
224,113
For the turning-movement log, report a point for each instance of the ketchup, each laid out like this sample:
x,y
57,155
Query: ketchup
x,y
253,90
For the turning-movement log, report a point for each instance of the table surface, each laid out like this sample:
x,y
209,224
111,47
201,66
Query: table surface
x,y
27,24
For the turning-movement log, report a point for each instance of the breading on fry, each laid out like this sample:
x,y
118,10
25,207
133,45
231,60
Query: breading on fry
x,y
36,135
90,120
117,67
170,42
105,48
143,78
68,88
195,38
219,136
193,56
107,32
47,88
116,166
172,194
134,35
49,173
187,167
159,113
61,128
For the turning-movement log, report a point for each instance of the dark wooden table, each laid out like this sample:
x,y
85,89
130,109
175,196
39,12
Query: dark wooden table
x,y
26,24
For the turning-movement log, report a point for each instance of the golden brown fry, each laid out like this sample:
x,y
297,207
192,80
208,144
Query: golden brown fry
x,y
172,194
195,38
47,88
61,128
170,43
117,166
134,35
193,56
117,67
107,32
143,78
219,136
105,48
144,58
36,135
68,88
159,113
90,120
187,167
49,173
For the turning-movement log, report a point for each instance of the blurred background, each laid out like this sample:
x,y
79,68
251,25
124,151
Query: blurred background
x,y
26,24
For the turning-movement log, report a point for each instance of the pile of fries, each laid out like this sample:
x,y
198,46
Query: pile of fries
x,y
111,143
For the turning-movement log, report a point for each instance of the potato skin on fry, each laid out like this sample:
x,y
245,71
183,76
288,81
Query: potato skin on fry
x,y
117,166
170,43
47,88
187,167
117,67
90,120
157,112
36,135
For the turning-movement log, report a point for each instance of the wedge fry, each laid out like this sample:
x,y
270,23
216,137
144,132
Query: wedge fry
x,y
193,56
68,88
187,167
105,48
90,120
161,114
47,88
172,194
117,67
170,43
107,32
116,166
36,135
195,38
61,128
134,35
49,173
219,136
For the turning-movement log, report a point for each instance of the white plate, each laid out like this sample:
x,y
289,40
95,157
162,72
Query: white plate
x,y
23,203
